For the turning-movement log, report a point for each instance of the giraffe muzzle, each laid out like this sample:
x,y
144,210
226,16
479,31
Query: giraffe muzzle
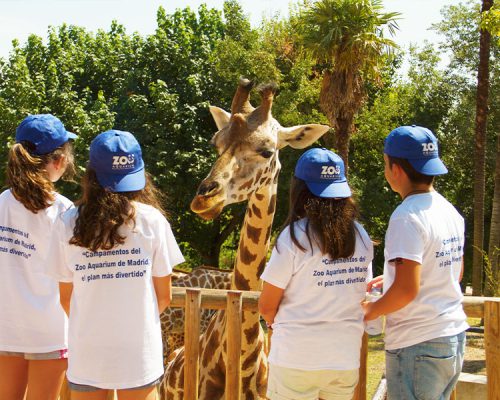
x,y
207,208
209,188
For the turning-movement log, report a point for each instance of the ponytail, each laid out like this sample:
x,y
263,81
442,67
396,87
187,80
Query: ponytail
x,y
330,221
27,177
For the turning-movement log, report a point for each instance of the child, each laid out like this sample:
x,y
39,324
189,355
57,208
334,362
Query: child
x,y
314,284
33,327
425,322
116,253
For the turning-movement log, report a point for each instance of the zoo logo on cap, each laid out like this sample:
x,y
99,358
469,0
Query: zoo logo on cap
x,y
123,162
429,149
330,172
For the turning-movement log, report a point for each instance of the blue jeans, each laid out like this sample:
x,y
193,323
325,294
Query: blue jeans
x,y
425,371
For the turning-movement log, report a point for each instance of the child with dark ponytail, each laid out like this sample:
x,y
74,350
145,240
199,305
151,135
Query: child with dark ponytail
x,y
33,327
314,283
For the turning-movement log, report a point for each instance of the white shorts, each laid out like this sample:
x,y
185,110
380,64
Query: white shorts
x,y
297,384
51,355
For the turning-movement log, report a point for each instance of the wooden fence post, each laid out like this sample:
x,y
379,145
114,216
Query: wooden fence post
x,y
192,343
492,345
233,363
360,392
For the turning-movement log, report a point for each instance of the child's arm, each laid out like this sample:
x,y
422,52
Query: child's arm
x,y
163,289
404,289
65,291
269,301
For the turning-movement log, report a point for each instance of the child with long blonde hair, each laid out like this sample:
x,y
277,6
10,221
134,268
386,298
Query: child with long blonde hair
x,y
33,327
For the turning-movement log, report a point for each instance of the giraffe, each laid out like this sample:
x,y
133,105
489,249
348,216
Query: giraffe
x,y
247,168
172,319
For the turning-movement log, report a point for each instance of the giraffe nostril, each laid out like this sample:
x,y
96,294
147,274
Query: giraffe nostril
x,y
208,188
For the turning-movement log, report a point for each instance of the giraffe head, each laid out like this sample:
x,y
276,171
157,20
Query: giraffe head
x,y
247,144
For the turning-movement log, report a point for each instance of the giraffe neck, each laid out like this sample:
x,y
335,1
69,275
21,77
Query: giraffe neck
x,y
250,262
255,237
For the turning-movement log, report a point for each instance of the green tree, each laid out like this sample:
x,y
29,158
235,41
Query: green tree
x,y
480,153
346,39
460,27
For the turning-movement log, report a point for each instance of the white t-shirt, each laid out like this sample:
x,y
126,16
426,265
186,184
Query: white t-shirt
x,y
319,323
31,317
114,326
427,229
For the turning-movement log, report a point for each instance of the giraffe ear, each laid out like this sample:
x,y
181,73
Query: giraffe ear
x,y
300,136
220,116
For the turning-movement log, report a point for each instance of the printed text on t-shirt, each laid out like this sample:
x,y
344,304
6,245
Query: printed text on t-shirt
x,y
17,246
96,265
356,273
451,249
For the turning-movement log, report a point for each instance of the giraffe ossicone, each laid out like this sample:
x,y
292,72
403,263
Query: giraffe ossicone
x,y
248,141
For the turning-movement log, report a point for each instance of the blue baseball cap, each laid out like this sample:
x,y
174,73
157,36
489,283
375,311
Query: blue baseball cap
x,y
323,172
45,131
419,146
116,158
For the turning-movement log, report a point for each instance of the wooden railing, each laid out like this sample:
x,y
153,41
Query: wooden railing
x,y
235,301
489,309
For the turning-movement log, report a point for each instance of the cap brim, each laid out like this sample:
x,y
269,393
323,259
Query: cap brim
x,y
429,166
71,135
123,183
330,190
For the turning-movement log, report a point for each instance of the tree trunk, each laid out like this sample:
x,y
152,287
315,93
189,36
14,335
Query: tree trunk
x,y
494,246
343,132
340,113
212,258
327,104
479,155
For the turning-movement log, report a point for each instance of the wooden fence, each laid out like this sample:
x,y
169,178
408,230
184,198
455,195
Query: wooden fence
x,y
235,301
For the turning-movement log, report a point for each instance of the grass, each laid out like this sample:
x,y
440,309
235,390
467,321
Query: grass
x,y
375,364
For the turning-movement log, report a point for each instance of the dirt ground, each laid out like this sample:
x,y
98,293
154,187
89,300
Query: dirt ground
x,y
475,356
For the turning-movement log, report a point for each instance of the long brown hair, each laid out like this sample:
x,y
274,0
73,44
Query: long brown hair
x,y
330,221
27,177
102,212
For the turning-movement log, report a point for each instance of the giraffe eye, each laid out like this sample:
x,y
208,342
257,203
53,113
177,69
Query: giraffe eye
x,y
266,153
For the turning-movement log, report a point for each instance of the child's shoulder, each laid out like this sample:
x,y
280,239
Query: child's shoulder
x,y
62,201
148,212
361,229
6,195
299,228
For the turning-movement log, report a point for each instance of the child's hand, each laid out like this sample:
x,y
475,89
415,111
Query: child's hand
x,y
367,307
377,282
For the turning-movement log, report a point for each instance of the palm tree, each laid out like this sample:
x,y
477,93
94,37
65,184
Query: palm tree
x,y
345,37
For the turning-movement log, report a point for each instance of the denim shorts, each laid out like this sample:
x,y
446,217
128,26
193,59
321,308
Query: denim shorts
x,y
87,388
51,355
425,371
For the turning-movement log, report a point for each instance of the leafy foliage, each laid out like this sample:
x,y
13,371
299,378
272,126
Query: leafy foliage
x,y
159,87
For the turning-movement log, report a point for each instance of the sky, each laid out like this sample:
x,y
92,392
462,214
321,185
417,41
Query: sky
x,y
19,18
